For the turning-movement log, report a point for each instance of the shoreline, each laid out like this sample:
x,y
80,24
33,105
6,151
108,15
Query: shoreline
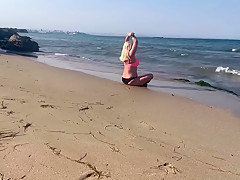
x,y
205,95
61,116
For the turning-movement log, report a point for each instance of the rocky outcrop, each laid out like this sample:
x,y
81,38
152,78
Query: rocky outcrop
x,y
21,44
11,40
6,33
22,31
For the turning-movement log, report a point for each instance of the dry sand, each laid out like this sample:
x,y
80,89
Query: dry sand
x,y
61,124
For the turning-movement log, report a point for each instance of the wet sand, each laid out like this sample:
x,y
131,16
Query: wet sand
x,y
62,124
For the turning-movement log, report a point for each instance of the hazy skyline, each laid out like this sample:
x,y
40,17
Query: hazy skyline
x,y
168,18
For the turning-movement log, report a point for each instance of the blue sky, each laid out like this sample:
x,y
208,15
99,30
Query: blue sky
x,y
170,18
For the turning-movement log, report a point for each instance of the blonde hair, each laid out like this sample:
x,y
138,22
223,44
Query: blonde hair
x,y
125,51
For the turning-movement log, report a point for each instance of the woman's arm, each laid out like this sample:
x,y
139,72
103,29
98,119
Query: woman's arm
x,y
134,46
128,36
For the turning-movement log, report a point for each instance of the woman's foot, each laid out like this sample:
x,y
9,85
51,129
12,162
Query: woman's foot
x,y
141,80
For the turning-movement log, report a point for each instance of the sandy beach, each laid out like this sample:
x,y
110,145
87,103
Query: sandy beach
x,y
62,124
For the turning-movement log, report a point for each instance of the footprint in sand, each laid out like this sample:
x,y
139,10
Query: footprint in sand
x,y
22,101
146,125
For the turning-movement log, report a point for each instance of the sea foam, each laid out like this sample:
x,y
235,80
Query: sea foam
x,y
60,54
227,70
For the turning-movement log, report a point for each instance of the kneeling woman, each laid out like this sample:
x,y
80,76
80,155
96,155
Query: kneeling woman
x,y
130,76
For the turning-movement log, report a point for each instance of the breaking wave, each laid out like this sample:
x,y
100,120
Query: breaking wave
x,y
227,70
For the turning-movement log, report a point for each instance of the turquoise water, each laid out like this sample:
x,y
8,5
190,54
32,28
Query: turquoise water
x,y
214,61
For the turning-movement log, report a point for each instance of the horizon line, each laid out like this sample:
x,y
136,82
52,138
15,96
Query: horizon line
x,y
122,35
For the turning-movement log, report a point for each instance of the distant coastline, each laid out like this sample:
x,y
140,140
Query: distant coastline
x,y
122,35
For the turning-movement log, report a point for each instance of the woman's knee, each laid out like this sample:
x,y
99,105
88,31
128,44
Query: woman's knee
x,y
150,76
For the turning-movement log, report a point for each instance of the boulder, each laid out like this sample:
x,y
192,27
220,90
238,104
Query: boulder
x,y
6,33
21,44
22,31
2,43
